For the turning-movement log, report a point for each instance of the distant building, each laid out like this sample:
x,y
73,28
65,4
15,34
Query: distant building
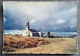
x,y
31,32
48,34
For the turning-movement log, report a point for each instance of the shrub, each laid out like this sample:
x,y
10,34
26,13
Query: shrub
x,y
7,49
51,36
21,42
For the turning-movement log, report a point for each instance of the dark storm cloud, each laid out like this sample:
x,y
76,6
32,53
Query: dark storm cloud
x,y
45,16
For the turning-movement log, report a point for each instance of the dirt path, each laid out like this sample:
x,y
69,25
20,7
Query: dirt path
x,y
58,46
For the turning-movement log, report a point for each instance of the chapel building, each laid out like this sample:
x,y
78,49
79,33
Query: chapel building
x,y
31,32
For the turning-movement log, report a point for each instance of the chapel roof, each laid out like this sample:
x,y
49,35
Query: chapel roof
x,y
33,30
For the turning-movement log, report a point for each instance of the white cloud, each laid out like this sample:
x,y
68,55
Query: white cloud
x,y
71,26
33,21
4,19
60,21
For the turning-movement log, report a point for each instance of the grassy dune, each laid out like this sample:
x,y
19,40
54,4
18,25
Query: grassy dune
x,y
55,46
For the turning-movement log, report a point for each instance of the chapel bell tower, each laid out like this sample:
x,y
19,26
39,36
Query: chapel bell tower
x,y
27,27
27,24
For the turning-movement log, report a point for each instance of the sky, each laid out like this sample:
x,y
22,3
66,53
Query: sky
x,y
56,16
